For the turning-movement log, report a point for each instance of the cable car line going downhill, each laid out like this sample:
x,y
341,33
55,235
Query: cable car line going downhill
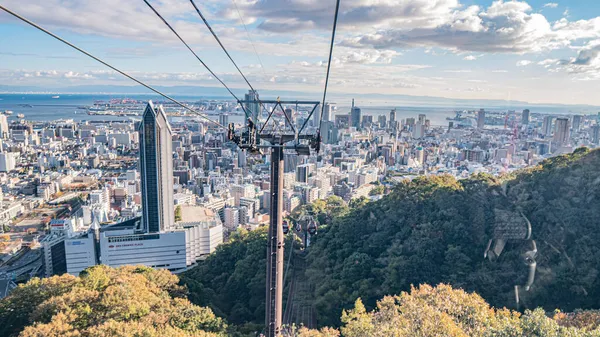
x,y
253,139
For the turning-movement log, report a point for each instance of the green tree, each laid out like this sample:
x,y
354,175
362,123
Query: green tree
x,y
178,213
377,190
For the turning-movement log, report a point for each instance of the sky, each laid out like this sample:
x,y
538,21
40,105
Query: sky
x,y
533,51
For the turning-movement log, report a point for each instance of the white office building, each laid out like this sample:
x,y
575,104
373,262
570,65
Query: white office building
x,y
156,250
8,161
80,253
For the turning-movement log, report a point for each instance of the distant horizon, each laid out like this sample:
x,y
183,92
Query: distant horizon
x,y
367,100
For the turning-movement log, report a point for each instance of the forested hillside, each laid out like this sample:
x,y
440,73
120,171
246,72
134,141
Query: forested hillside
x,y
436,229
433,230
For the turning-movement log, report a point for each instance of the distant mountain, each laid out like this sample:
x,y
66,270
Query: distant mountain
x,y
372,99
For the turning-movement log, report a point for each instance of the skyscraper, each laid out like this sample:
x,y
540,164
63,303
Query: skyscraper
x,y
596,134
4,131
327,112
381,120
224,119
302,173
156,167
252,106
525,117
480,119
547,126
393,119
355,116
577,119
561,131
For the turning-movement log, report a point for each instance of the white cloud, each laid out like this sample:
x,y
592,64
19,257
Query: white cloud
x,y
551,5
566,13
459,71
586,66
505,26
470,58
499,71
523,63
367,56
548,62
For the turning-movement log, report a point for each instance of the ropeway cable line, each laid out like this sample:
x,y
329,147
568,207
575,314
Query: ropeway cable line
x,y
231,58
33,24
249,37
196,55
219,41
335,19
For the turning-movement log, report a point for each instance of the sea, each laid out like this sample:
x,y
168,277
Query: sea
x,y
43,107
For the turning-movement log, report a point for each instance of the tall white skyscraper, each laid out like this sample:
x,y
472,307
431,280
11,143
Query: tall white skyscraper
x,y
4,132
7,161
156,167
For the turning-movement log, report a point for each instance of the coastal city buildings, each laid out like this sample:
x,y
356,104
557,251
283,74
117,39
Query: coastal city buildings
x,y
164,190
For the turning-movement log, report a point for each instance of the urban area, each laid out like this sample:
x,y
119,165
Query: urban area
x,y
77,194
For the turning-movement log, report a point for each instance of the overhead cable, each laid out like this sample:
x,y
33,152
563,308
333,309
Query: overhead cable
x,y
108,65
196,55
220,44
337,8
249,37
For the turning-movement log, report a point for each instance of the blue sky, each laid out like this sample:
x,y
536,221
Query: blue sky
x,y
536,51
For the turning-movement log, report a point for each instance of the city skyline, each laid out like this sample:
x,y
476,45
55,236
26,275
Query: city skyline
x,y
532,51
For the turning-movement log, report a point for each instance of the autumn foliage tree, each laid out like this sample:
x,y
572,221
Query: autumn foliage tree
x,y
127,301
442,311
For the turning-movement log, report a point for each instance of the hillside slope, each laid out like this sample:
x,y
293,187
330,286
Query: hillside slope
x,y
436,229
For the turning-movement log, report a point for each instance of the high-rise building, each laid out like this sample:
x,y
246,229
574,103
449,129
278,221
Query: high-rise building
x,y
393,119
525,117
4,131
367,121
547,126
302,173
224,119
561,131
156,167
329,133
381,121
232,217
328,112
252,106
7,161
422,118
315,116
419,130
481,119
577,119
596,134
356,116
